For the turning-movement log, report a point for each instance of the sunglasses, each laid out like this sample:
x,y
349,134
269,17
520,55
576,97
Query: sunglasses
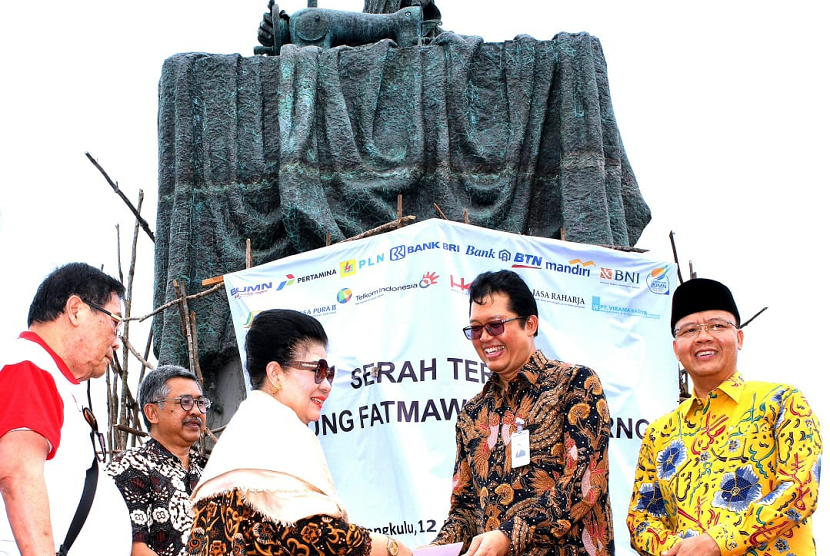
x,y
493,328
320,369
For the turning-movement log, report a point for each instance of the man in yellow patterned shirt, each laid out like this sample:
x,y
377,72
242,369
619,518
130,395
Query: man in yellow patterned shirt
x,y
735,469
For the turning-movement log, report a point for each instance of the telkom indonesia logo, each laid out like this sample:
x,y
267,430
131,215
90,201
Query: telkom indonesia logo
x,y
428,279
289,279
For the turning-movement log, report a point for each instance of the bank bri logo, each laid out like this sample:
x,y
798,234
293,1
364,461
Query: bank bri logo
x,y
397,253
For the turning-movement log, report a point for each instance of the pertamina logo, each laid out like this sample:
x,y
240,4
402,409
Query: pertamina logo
x,y
289,280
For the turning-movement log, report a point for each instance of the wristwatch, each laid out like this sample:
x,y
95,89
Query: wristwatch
x,y
391,546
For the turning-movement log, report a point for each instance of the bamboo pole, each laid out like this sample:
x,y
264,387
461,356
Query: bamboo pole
x,y
144,225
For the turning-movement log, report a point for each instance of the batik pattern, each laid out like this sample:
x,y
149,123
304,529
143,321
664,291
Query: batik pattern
x,y
157,488
226,526
742,465
559,503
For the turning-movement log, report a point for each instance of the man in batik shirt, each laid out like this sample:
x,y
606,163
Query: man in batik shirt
x,y
734,469
531,470
156,479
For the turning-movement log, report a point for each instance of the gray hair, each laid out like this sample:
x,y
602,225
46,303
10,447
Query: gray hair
x,y
154,387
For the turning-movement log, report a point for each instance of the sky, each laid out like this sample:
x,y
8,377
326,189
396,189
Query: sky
x,y
721,107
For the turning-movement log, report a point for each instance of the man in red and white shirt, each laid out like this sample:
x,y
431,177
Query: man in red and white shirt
x,y
46,444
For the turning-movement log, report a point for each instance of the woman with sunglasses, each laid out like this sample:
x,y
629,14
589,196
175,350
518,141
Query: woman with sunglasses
x,y
267,488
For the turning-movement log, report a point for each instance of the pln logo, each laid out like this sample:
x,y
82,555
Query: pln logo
x,y
348,268
344,295
658,280
428,279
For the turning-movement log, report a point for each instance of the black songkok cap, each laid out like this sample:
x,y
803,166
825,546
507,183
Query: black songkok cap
x,y
702,294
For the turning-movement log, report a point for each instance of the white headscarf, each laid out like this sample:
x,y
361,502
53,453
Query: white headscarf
x,y
274,460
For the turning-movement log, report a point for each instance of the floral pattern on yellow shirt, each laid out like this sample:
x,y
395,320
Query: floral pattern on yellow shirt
x,y
742,465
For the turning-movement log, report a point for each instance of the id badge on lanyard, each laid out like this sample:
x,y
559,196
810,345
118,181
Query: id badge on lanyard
x,y
520,445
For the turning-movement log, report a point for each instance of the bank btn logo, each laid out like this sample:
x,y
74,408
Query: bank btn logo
x,y
658,280
344,295
348,268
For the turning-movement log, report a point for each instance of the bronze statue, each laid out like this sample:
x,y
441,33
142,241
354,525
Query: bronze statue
x,y
327,28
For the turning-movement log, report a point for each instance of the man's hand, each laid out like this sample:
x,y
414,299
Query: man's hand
x,y
142,549
491,543
701,545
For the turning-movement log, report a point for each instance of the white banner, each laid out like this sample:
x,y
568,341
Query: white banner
x,y
393,306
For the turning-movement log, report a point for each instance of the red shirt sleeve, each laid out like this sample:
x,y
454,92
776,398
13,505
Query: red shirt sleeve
x,y
30,400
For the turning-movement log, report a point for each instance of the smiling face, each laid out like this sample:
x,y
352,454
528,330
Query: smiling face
x,y
506,353
299,391
709,358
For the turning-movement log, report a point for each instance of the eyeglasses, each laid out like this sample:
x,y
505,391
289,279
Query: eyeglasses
x,y
94,434
320,369
119,321
187,401
494,328
714,327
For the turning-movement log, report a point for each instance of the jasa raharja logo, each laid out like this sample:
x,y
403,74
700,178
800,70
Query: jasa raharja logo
x,y
658,280
247,291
